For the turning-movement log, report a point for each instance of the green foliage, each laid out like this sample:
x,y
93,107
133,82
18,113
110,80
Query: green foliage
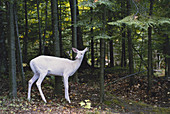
x,y
102,36
142,22
93,4
2,9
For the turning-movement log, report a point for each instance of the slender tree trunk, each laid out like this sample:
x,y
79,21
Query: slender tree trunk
x,y
123,57
26,35
92,49
130,49
102,64
12,63
111,41
2,43
150,68
102,58
111,54
92,40
39,28
60,30
74,24
167,54
73,6
75,33
46,13
58,79
19,54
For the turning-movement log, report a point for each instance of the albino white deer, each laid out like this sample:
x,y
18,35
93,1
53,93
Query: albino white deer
x,y
48,65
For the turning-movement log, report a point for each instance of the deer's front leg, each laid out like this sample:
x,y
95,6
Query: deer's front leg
x,y
66,88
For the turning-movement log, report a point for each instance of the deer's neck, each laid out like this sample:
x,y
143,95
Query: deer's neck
x,y
77,63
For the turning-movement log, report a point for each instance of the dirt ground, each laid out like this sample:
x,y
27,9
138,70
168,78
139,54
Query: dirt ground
x,y
119,96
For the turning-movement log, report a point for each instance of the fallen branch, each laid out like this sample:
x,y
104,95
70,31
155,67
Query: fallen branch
x,y
125,77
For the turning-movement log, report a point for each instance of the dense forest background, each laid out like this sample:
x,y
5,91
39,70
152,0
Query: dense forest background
x,y
130,36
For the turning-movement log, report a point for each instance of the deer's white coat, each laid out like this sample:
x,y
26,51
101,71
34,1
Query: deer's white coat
x,y
49,65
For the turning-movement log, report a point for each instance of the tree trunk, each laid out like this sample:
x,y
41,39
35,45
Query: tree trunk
x,y
73,22
26,35
2,43
92,41
12,63
46,13
123,57
60,31
150,68
102,58
111,54
130,50
111,41
102,64
167,58
58,79
73,6
19,54
39,28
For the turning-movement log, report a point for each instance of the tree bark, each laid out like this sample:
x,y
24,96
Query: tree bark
x,y
102,64
123,57
150,68
39,28
46,13
110,41
92,41
130,49
19,52
73,6
102,58
58,79
26,35
3,61
167,56
12,63
60,30
111,53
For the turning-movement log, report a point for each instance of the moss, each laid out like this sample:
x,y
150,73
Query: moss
x,y
128,104
108,103
161,110
116,101
140,104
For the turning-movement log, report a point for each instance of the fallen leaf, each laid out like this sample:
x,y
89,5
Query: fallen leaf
x,y
88,105
82,103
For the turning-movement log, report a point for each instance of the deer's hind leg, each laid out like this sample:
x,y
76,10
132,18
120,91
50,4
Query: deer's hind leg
x,y
38,83
30,83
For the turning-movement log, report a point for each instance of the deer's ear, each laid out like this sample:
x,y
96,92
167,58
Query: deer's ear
x,y
86,49
75,50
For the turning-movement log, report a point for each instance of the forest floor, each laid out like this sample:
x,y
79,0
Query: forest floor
x,y
119,96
